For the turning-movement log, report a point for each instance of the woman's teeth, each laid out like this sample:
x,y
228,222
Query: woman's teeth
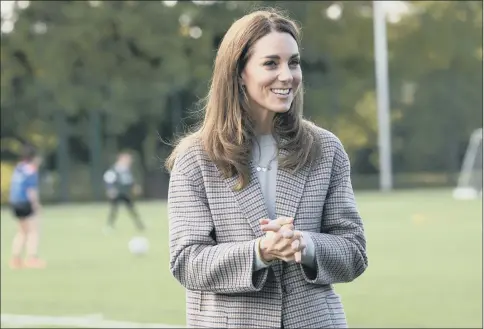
x,y
281,91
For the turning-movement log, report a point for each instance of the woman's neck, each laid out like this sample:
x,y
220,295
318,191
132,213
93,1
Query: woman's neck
x,y
263,122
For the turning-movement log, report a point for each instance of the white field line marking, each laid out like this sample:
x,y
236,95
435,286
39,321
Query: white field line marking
x,y
86,321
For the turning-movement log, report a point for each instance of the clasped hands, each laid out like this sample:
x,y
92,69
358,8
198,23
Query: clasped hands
x,y
281,240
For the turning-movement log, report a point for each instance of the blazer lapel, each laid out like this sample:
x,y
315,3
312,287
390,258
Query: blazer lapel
x,y
289,189
250,200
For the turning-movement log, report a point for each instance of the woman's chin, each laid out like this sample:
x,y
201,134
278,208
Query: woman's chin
x,y
280,108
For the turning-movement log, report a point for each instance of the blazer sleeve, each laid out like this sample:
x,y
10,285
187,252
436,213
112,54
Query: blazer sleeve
x,y
340,248
196,260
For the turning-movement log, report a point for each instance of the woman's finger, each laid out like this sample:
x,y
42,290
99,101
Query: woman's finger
x,y
286,233
272,226
283,246
284,220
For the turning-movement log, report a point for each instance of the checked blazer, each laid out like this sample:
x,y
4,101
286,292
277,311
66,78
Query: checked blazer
x,y
213,231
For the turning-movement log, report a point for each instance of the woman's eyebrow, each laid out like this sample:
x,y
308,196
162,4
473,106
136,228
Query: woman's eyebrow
x,y
278,57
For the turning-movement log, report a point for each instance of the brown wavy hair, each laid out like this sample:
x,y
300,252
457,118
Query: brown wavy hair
x,y
227,130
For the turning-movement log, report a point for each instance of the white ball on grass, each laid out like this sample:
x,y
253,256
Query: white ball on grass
x,y
138,245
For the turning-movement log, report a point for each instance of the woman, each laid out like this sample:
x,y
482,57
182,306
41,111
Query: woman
x,y
253,160
24,199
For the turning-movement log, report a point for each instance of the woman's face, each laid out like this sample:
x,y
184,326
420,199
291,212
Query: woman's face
x,y
272,74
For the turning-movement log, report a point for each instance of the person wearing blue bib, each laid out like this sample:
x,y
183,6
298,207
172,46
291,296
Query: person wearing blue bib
x,y
25,203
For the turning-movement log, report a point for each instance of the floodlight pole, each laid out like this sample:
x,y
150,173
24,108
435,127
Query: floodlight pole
x,y
381,72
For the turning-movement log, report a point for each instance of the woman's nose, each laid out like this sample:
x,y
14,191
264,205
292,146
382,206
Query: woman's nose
x,y
285,75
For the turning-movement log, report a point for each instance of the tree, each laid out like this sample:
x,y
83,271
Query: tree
x,y
140,67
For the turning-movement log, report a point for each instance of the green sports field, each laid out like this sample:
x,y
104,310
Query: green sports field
x,y
424,248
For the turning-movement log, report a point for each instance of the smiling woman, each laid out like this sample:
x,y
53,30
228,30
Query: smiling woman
x,y
256,57
263,219
271,78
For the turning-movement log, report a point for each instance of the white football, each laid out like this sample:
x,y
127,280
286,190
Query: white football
x,y
138,245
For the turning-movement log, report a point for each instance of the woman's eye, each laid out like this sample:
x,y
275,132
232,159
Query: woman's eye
x,y
295,62
270,63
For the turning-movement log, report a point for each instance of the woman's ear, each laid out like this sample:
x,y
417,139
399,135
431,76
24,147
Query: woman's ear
x,y
242,79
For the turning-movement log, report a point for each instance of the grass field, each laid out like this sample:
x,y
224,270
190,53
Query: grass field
x,y
424,248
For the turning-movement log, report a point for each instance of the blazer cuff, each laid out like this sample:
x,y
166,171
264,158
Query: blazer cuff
x,y
308,255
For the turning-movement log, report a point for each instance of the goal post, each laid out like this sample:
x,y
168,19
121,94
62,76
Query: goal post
x,y
469,184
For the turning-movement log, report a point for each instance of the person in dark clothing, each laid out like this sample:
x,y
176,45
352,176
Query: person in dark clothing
x,y
120,188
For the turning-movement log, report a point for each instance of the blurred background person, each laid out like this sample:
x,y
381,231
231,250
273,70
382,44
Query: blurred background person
x,y
25,203
122,188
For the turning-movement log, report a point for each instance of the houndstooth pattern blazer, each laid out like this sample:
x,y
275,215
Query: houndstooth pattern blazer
x,y
212,238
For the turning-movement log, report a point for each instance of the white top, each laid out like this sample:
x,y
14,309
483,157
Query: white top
x,y
264,157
